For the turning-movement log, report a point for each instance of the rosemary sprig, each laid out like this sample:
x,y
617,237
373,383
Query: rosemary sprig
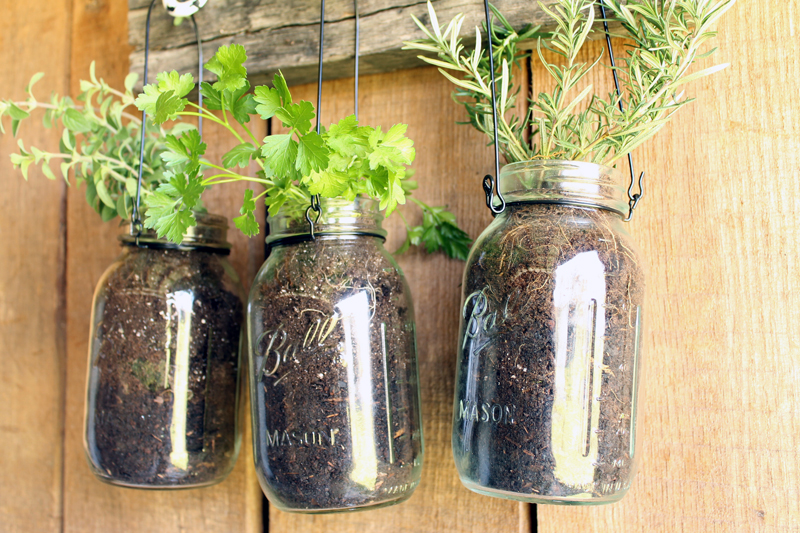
x,y
668,37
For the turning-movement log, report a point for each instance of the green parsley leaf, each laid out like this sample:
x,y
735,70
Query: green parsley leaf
x,y
297,116
312,154
172,81
268,100
239,155
247,223
283,89
281,153
212,98
169,208
227,64
167,107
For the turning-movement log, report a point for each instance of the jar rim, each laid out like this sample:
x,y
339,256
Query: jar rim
x,y
209,234
338,216
565,182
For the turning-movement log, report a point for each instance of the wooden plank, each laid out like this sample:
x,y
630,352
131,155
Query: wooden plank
x,y
285,35
32,280
235,504
719,232
450,164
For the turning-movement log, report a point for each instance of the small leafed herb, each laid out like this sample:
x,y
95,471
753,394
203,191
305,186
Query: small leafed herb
x,y
99,143
567,123
346,160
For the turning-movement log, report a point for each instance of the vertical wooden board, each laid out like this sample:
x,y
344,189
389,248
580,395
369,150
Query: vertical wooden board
x,y
718,230
34,36
450,163
233,505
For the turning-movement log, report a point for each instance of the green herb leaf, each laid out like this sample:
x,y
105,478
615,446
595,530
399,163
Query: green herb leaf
x,y
268,100
312,154
76,121
281,153
239,155
169,208
227,64
247,223
297,116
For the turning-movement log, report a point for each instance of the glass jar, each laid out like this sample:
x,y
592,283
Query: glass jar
x,y
333,365
548,367
162,393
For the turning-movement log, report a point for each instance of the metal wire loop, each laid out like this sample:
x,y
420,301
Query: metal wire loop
x,y
633,199
137,227
491,186
315,206
488,189
315,199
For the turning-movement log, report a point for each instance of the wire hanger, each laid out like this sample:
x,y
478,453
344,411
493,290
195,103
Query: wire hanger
x,y
491,186
315,198
176,8
633,199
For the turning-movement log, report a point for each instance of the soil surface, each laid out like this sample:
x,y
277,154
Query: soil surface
x,y
336,401
545,401
162,405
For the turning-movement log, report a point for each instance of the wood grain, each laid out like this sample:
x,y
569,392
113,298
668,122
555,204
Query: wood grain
x,y
450,164
285,35
233,505
718,230
34,36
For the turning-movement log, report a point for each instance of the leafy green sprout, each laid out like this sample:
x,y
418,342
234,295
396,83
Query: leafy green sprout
x,y
345,161
566,123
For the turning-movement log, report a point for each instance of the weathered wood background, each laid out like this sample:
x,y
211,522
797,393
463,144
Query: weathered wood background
x,y
285,35
718,229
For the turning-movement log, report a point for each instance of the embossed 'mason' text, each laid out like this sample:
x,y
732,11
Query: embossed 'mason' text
x,y
486,412
301,438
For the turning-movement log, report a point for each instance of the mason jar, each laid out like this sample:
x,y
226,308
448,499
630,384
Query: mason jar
x,y
549,363
333,365
162,394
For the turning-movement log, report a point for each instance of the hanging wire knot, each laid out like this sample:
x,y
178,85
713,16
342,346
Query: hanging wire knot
x,y
491,186
313,207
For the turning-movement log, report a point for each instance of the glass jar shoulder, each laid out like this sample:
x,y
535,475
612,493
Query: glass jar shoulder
x,y
531,238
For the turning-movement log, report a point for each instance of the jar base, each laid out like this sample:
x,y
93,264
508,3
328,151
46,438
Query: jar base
x,y
166,487
366,507
579,499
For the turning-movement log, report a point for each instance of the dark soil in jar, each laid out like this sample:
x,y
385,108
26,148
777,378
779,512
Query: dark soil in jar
x,y
152,421
514,355
337,322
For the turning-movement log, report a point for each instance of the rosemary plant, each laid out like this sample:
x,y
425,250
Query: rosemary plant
x,y
667,39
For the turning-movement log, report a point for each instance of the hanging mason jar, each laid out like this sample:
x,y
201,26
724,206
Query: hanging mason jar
x,y
333,365
162,400
548,368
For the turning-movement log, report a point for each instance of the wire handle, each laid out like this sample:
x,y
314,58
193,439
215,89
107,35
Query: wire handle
x,y
633,198
137,227
491,185
315,198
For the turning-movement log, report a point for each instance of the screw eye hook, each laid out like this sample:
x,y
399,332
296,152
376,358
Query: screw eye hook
x,y
633,198
315,206
488,189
